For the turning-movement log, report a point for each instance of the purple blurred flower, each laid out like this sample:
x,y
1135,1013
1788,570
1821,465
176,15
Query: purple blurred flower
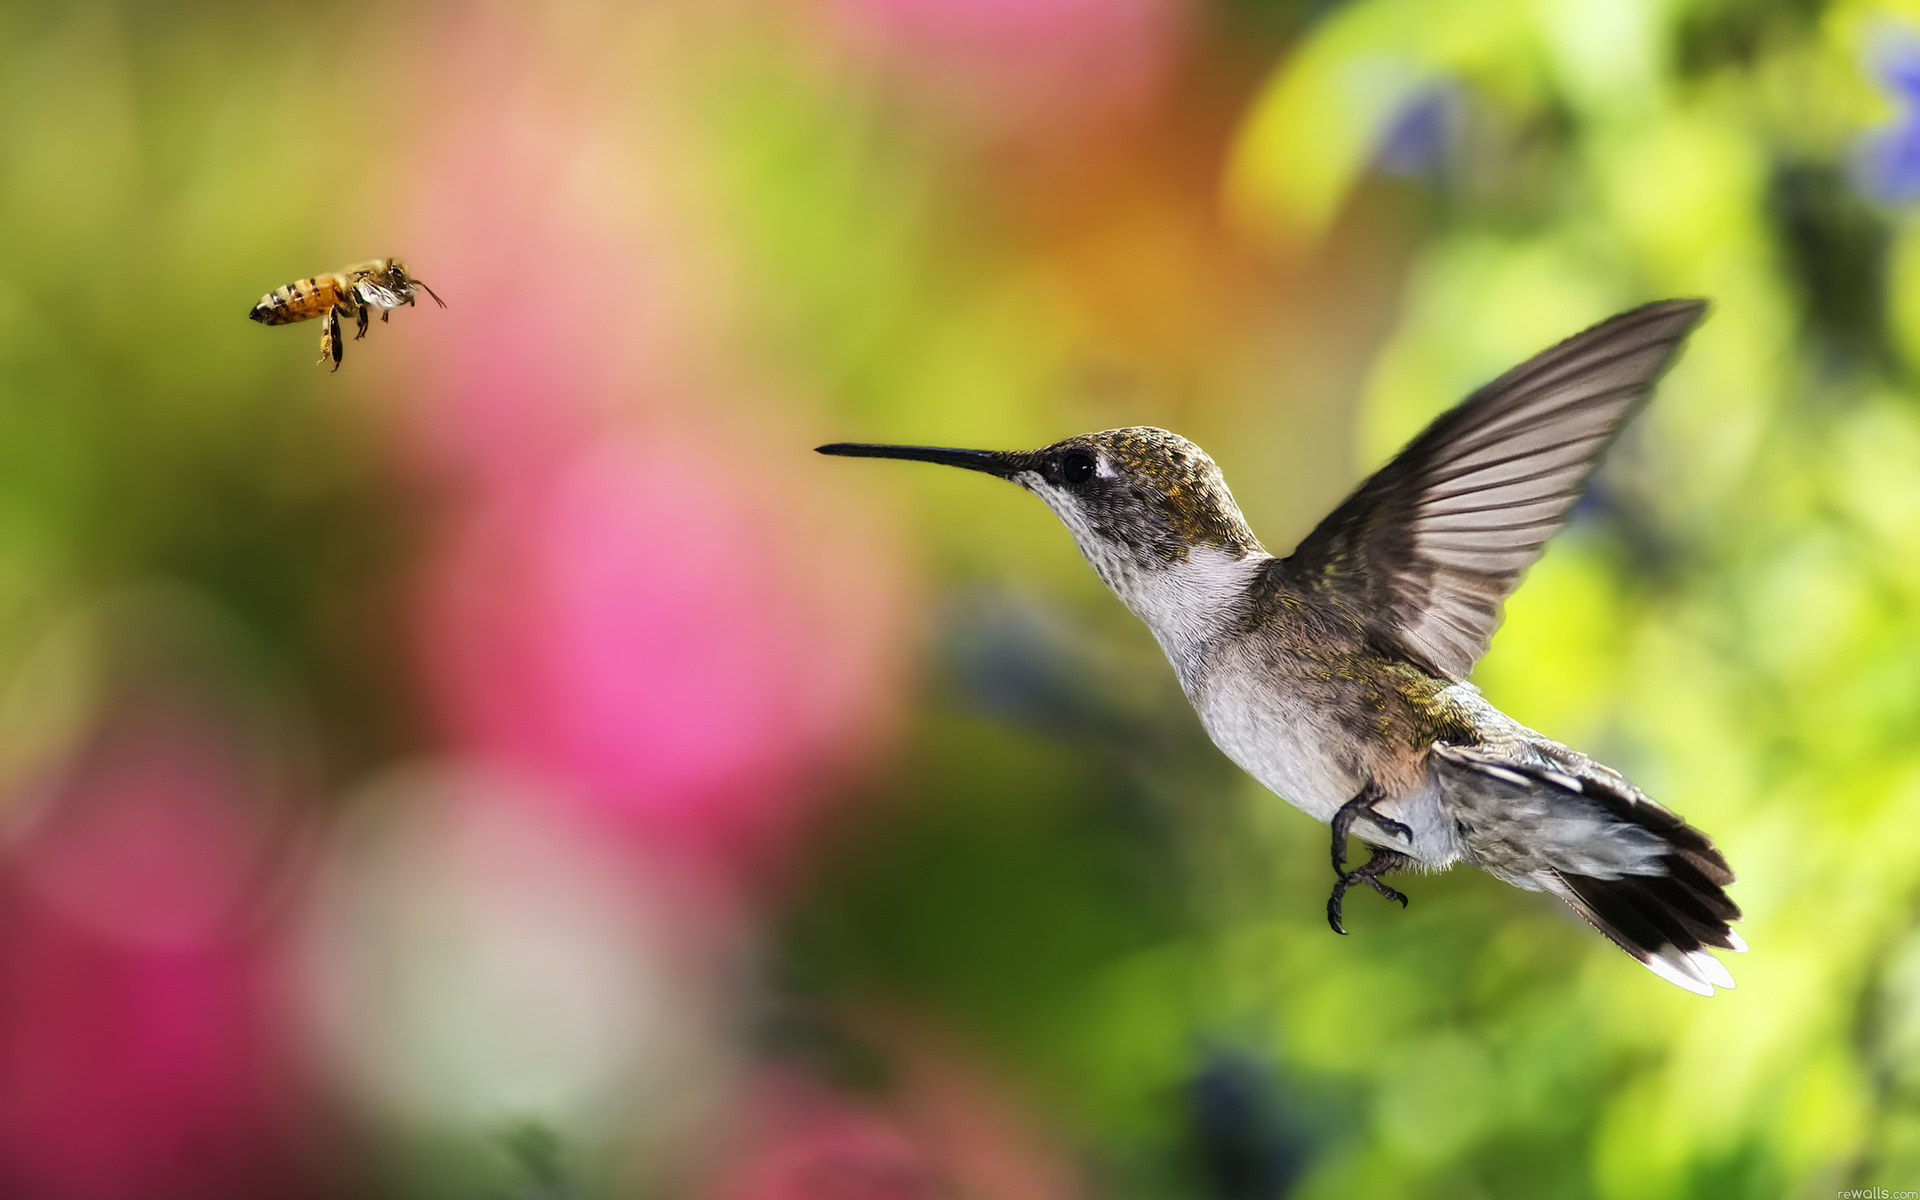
x,y
1887,161
1418,138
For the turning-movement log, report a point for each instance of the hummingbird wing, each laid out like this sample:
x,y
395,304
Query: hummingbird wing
x,y
1429,547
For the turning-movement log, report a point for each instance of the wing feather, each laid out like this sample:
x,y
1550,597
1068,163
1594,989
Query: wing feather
x,y
1429,548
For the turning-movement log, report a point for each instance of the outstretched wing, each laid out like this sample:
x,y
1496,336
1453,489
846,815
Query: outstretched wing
x,y
1429,547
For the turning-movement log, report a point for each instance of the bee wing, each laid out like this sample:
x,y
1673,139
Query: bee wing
x,y
1433,543
379,295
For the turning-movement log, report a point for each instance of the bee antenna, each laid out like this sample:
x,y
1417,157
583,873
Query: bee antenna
x,y
430,292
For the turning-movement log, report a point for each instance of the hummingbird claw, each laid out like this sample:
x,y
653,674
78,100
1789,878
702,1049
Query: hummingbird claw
x,y
1362,806
1333,909
1379,863
1388,892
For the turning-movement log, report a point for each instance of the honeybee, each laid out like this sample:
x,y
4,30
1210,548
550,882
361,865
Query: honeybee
x,y
380,285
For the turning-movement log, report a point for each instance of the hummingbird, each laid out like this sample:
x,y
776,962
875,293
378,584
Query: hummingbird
x,y
1338,675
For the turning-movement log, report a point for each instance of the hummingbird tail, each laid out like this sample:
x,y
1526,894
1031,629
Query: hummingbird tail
x,y
1635,870
1668,922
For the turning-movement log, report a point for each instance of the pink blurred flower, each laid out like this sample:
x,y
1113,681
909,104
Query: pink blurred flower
x,y
662,628
829,1151
943,1128
642,592
552,212
134,1072
1039,62
140,1054
161,829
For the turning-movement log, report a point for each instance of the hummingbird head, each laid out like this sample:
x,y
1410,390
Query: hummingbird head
x,y
1140,502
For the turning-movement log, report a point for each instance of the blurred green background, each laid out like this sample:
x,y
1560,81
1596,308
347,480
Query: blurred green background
x,y
515,767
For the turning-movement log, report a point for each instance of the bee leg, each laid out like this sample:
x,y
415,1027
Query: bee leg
x,y
332,345
384,314
360,322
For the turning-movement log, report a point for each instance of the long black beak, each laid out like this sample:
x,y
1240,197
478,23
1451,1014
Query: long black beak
x,y
993,462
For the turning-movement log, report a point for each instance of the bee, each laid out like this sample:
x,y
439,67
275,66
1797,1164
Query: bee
x,y
358,291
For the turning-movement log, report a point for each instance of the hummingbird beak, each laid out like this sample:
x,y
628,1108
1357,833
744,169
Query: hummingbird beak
x,y
993,462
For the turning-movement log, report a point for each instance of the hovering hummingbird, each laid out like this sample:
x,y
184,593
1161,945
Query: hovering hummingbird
x,y
1337,676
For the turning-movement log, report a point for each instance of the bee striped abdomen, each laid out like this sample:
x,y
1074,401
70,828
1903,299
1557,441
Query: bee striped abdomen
x,y
301,300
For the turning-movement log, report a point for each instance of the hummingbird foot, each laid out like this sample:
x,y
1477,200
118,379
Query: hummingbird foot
x,y
1362,806
1377,865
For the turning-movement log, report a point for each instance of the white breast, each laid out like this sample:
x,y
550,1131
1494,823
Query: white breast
x,y
1189,604
1272,737
1279,742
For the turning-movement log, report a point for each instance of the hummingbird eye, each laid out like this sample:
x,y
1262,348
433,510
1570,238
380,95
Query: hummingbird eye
x,y
1076,466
